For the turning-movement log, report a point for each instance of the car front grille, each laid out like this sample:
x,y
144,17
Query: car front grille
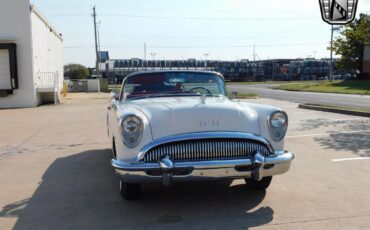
x,y
206,150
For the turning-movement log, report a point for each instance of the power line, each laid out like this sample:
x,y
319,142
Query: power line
x,y
67,15
190,37
167,9
190,18
62,6
210,18
192,47
193,10
235,46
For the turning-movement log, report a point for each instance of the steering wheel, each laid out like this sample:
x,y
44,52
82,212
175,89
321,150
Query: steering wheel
x,y
194,89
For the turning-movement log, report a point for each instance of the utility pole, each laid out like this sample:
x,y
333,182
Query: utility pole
x,y
106,70
254,53
206,59
96,43
153,56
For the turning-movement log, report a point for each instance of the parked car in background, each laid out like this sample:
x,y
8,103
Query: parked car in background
x,y
169,126
341,77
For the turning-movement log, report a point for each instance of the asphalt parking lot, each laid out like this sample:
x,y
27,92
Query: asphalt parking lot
x,y
55,174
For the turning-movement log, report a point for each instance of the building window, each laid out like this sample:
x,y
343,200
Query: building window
x,y
8,68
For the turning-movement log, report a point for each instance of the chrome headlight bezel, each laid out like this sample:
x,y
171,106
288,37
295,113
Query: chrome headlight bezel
x,y
277,128
131,127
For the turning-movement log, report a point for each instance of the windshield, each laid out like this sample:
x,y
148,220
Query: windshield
x,y
163,84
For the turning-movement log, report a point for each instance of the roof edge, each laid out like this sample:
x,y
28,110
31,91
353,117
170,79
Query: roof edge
x,y
38,13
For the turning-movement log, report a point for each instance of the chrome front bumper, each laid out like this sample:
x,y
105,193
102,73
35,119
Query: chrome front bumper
x,y
167,171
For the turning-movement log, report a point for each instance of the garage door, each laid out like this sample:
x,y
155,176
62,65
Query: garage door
x,y
5,82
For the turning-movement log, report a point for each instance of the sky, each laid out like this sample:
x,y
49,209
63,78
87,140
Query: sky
x,y
182,29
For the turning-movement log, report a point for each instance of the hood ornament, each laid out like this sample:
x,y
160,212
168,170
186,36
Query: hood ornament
x,y
203,98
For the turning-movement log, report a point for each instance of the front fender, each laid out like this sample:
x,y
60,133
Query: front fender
x,y
263,113
123,152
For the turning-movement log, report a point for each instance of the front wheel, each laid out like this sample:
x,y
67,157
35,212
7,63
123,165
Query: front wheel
x,y
259,185
129,191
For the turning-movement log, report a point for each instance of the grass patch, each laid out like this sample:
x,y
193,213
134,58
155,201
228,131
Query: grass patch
x,y
344,87
341,107
263,82
244,96
114,88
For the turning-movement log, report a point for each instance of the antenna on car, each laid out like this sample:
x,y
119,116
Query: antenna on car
x,y
203,98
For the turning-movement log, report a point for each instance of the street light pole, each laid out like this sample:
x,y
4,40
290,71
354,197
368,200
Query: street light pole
x,y
153,56
206,57
331,51
144,63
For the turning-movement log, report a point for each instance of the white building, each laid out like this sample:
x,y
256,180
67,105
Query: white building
x,y
31,67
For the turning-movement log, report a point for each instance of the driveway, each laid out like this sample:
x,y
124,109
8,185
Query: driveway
x,y
55,174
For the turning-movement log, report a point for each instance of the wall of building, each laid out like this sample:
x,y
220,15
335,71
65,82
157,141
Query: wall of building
x,y
85,85
93,85
47,49
15,24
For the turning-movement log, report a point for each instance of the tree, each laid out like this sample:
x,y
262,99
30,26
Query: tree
x,y
75,71
350,44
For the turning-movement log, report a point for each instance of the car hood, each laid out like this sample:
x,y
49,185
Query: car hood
x,y
177,115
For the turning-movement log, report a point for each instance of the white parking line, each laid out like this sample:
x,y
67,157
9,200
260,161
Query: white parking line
x,y
331,120
300,112
351,159
324,134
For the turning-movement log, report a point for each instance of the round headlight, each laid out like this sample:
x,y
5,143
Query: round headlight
x,y
131,124
278,120
278,123
132,130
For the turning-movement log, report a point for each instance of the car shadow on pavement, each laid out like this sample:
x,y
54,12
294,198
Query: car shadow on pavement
x,y
81,191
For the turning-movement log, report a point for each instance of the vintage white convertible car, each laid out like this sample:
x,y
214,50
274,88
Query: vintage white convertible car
x,y
169,126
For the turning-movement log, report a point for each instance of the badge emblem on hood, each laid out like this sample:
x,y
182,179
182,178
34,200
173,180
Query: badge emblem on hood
x,y
209,123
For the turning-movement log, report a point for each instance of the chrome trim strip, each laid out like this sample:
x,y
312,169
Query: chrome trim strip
x,y
205,170
274,159
202,135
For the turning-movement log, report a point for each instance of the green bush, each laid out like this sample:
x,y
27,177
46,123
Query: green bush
x,y
104,85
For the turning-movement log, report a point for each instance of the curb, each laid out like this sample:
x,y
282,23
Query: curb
x,y
334,110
